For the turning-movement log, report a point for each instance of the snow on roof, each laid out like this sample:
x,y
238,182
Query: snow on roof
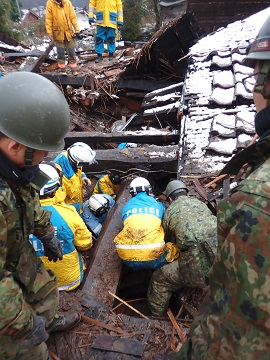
x,y
221,112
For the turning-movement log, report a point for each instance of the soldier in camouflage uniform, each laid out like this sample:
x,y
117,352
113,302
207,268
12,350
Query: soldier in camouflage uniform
x,y
34,118
190,224
233,321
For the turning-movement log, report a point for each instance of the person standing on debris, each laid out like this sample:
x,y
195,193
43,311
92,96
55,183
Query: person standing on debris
x,y
95,211
140,244
74,178
109,17
62,27
29,127
233,321
108,184
190,224
71,232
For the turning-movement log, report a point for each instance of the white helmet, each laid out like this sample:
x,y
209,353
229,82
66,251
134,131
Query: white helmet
x,y
55,178
98,204
80,153
139,184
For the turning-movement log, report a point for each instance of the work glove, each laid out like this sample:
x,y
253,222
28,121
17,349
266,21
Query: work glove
x,y
52,247
120,24
77,36
37,335
91,21
86,182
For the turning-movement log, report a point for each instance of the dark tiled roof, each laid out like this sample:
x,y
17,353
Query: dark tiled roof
x,y
220,119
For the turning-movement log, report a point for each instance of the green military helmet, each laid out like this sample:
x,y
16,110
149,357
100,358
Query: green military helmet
x,y
260,48
175,185
260,51
33,111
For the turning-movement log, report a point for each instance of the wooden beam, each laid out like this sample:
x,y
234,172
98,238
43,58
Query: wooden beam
x,y
34,66
148,158
153,158
104,271
34,52
69,80
90,137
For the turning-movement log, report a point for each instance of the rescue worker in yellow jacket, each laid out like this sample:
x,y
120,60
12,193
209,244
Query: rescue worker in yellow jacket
x,y
71,162
70,229
108,184
141,243
109,16
62,27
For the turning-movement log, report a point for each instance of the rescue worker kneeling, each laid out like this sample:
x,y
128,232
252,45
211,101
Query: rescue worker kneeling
x,y
188,222
95,211
141,243
71,162
70,229
108,184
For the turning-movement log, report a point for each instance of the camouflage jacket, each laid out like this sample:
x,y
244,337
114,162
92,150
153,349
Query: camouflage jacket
x,y
233,321
188,222
20,215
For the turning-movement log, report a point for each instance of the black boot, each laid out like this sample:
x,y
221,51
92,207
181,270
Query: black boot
x,y
64,321
99,58
110,56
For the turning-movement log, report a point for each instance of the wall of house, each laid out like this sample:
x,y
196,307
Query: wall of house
x,y
212,15
30,19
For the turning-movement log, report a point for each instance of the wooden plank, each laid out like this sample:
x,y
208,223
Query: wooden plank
x,y
154,158
91,137
113,343
149,157
104,271
34,66
226,187
69,80
34,52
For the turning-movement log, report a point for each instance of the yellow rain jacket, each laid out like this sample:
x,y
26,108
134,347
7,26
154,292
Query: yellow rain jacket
x,y
142,238
71,181
109,13
74,236
105,186
61,21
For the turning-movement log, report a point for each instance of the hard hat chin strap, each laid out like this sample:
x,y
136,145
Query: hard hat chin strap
x,y
28,156
262,79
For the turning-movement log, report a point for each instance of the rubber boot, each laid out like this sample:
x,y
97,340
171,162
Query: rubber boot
x,y
110,56
64,321
99,58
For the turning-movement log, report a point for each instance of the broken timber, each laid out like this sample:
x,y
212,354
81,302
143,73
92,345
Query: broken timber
x,y
104,271
91,137
33,66
69,80
113,343
151,157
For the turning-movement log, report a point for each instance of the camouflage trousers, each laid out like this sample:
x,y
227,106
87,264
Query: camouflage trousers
x,y
43,297
63,47
187,271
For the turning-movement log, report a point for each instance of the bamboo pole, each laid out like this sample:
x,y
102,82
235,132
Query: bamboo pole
x,y
131,307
